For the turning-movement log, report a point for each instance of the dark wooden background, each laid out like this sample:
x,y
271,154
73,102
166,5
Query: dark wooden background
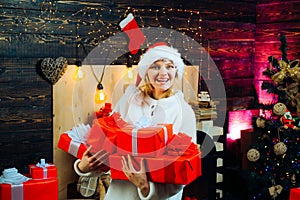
x,y
241,35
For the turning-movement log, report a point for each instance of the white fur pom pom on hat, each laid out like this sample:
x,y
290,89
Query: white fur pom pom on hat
x,y
160,52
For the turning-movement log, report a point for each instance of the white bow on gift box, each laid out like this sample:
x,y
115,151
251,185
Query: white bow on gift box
x,y
79,133
11,176
44,166
143,122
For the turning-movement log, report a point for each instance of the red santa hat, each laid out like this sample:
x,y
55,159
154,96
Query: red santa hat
x,y
156,52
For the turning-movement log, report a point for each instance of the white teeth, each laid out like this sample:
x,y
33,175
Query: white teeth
x,y
162,80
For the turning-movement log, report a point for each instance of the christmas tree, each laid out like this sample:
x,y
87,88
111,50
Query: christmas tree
x,y
275,156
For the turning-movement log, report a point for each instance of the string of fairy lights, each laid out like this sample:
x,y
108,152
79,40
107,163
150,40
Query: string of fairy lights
x,y
99,20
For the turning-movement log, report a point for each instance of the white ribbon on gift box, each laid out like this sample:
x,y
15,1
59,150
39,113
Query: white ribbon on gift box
x,y
79,135
43,165
11,176
16,180
74,148
135,137
134,142
17,192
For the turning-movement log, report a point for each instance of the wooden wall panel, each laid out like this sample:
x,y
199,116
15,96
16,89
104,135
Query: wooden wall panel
x,y
284,11
19,146
228,30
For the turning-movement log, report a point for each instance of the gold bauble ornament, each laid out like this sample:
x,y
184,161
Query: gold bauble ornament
x,y
279,109
280,148
253,155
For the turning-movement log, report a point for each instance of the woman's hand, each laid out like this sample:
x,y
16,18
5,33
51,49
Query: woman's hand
x,y
138,178
92,162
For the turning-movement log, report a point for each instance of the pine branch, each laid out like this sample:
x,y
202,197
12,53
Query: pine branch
x,y
283,47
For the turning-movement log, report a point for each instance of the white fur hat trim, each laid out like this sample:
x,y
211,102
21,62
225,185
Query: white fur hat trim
x,y
158,53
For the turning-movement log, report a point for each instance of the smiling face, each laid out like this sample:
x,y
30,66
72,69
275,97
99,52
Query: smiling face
x,y
161,75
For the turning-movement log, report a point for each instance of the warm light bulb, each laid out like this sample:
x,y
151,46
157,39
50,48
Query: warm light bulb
x,y
129,74
99,96
78,73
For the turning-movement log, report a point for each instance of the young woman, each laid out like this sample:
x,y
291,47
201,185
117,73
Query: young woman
x,y
156,100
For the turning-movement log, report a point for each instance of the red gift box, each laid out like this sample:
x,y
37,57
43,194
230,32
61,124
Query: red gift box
x,y
181,163
115,164
294,194
167,169
155,167
186,168
103,133
38,172
147,142
34,189
70,146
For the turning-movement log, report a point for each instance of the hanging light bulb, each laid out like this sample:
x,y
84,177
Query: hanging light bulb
x,y
99,96
78,73
129,74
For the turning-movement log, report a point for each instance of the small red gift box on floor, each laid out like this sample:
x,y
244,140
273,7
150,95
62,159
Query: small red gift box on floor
x,y
294,194
148,142
42,170
34,189
70,146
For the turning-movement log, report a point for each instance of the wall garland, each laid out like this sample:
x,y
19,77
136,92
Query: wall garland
x,y
100,21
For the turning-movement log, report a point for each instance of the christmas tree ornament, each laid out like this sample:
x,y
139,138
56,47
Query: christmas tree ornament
x,y
134,33
288,121
279,76
283,73
279,109
292,93
280,148
293,180
275,190
253,155
295,70
260,122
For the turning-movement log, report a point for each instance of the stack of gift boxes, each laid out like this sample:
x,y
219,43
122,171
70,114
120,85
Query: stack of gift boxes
x,y
40,183
168,157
